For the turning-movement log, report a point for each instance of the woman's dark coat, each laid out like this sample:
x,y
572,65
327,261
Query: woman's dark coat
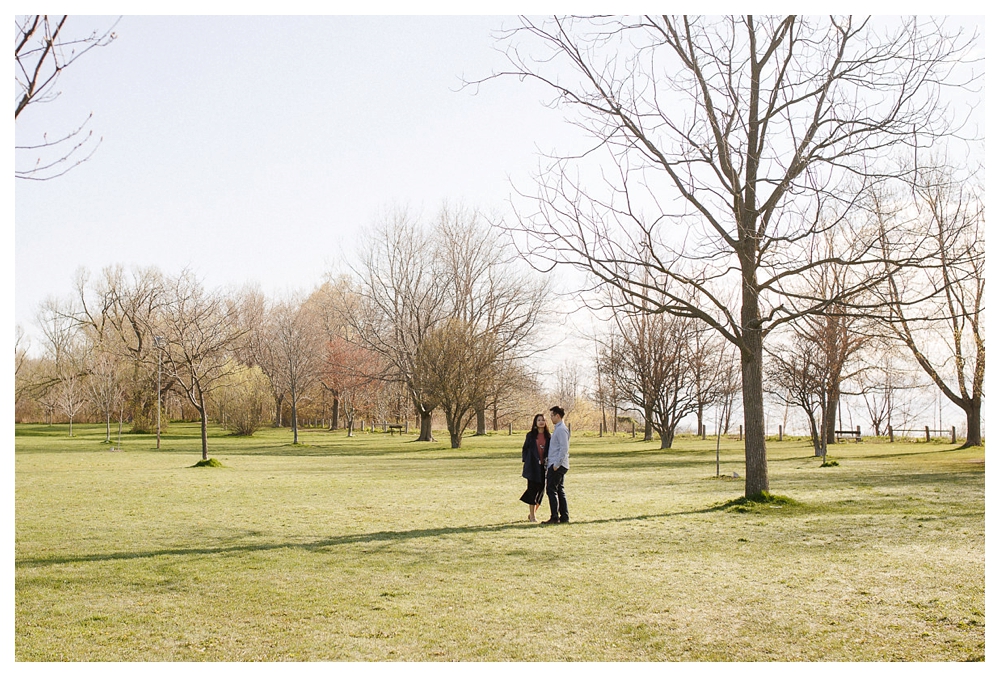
x,y
533,470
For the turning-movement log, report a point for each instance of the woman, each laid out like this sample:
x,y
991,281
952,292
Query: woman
x,y
533,453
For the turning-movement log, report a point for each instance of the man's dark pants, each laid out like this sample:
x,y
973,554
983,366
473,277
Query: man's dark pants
x,y
557,497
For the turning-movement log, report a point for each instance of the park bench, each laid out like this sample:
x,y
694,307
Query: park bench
x,y
853,434
393,427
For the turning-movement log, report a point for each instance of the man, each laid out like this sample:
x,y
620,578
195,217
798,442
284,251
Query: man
x,y
558,466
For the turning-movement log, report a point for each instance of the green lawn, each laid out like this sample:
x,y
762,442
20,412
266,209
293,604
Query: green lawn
x,y
377,548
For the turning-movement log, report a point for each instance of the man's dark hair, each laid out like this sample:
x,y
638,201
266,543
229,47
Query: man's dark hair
x,y
559,411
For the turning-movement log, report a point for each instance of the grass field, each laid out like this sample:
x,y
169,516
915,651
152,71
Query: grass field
x,y
376,548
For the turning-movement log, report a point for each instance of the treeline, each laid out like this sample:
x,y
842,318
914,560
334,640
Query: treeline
x,y
437,318
444,320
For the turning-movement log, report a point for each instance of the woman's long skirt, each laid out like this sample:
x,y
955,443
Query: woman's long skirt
x,y
533,494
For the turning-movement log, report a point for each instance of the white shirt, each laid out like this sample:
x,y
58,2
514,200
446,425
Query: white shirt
x,y
559,447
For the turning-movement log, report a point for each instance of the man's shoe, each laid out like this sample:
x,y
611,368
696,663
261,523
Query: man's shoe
x,y
564,520
550,521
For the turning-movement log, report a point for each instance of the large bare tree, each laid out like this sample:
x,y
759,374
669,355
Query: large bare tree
x,y
720,147
488,292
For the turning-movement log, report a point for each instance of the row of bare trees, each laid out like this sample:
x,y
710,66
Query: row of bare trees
x,y
436,318
733,160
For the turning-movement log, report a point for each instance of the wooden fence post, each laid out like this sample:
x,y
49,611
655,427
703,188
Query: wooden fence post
x,y
927,433
510,428
406,425
781,433
741,432
891,438
953,434
633,429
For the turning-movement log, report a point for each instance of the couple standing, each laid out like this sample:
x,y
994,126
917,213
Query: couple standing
x,y
546,461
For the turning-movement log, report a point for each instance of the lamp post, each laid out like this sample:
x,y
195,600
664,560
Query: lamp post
x,y
158,342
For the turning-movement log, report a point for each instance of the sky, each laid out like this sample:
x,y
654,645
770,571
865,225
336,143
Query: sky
x,y
257,149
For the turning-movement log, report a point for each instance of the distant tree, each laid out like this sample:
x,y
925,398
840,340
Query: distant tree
x,y
454,363
797,375
258,347
297,346
650,358
353,372
938,309
885,386
487,290
106,384
71,393
249,400
401,301
200,330
119,311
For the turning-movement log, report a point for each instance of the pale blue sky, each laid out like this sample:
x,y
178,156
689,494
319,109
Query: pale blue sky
x,y
256,149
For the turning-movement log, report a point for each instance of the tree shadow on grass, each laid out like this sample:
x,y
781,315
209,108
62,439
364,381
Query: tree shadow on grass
x,y
375,537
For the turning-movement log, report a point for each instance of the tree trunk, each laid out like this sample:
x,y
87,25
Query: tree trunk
x,y
666,439
455,432
481,419
832,407
295,419
204,426
701,418
814,435
647,434
335,414
107,435
278,401
973,422
425,427
752,365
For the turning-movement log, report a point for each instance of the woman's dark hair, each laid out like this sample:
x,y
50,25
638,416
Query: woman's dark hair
x,y
534,428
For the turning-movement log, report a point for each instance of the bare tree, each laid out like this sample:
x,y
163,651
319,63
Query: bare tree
x,y
258,347
43,49
454,362
297,346
798,376
63,344
885,385
652,364
71,393
199,330
106,383
353,373
402,300
119,311
937,310
724,144
488,292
